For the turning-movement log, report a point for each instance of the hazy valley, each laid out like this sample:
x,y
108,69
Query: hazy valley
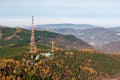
x,y
97,37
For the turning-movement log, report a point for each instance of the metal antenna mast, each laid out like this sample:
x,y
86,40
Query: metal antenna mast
x,y
32,43
52,46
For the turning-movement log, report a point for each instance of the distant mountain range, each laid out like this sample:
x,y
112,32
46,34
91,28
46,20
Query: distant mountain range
x,y
96,36
64,25
20,36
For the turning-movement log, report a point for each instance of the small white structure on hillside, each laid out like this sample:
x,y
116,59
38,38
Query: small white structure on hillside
x,y
52,51
47,54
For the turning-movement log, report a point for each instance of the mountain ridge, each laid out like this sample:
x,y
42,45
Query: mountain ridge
x,y
22,36
62,25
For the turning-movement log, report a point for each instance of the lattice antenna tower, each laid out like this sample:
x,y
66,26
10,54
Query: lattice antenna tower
x,y
32,43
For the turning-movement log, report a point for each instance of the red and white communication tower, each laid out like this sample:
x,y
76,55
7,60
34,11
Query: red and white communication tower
x,y
32,43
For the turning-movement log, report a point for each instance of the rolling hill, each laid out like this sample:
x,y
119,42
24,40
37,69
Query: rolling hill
x,y
20,36
97,37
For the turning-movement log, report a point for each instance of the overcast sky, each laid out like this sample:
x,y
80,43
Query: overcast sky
x,y
97,12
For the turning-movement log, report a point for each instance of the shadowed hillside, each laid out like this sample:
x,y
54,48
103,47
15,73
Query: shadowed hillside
x,y
19,36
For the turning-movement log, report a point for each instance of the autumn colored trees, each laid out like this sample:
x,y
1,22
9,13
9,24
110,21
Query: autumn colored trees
x,y
65,65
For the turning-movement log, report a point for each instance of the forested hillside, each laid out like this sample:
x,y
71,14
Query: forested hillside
x,y
20,36
65,65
